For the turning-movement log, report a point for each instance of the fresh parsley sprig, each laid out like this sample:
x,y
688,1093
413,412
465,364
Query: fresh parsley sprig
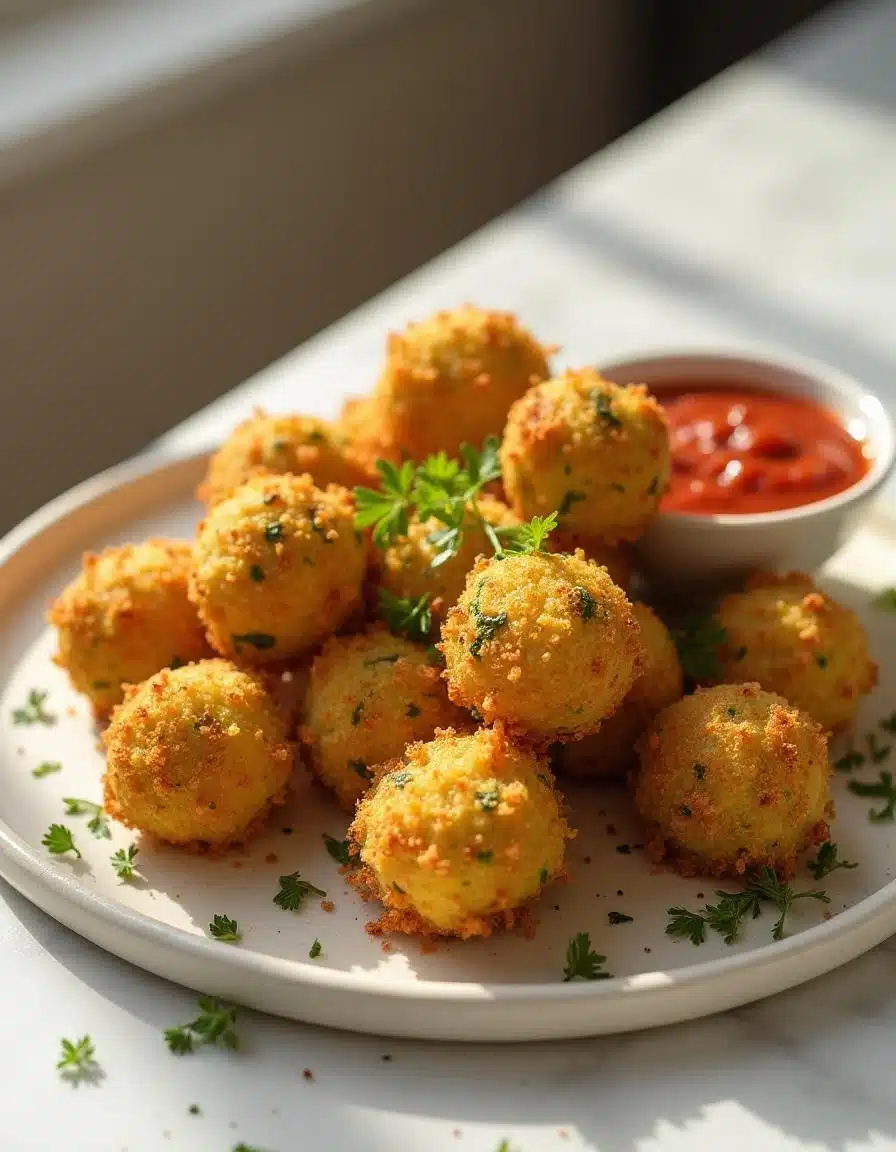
x,y
34,711
406,616
77,1059
386,509
293,890
58,840
339,850
827,861
224,929
98,825
768,887
123,861
582,962
885,599
525,539
214,1025
699,641
883,789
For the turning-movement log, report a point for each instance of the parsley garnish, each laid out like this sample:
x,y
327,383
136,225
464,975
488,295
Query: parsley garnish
x,y
603,404
768,887
58,840
586,605
339,850
46,768
356,713
123,861
224,929
97,824
733,908
883,789
569,498
877,752
619,918
698,642
256,573
273,532
213,1025
827,861
393,659
260,640
849,760
581,962
412,711
489,798
34,711
885,599
486,626
524,539
77,1059
406,616
315,949
361,769
624,849
386,510
888,724
399,779
293,890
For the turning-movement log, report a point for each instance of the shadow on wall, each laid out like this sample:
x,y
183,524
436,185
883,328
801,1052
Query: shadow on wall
x,y
142,280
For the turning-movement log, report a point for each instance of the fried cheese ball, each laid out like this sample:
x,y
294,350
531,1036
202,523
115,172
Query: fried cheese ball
x,y
370,695
197,756
405,567
731,778
278,567
593,451
792,638
450,379
459,835
616,558
546,643
365,426
611,751
126,616
273,445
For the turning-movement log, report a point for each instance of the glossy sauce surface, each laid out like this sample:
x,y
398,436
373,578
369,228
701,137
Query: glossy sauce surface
x,y
739,451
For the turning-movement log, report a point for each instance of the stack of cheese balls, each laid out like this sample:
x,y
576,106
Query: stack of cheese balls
x,y
213,660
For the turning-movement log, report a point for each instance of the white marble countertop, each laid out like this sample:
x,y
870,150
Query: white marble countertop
x,y
762,211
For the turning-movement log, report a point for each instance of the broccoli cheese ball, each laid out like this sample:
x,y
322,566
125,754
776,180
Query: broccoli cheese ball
x,y
197,756
792,638
278,567
406,569
546,643
457,836
267,444
593,451
451,378
616,558
370,695
126,616
611,751
731,778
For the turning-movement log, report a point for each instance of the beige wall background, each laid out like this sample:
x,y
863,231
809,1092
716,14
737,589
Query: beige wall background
x,y
152,269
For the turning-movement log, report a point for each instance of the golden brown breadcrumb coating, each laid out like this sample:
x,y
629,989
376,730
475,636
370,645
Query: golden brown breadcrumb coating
x,y
792,638
546,643
278,568
459,835
593,451
126,616
370,695
731,778
274,445
197,756
451,378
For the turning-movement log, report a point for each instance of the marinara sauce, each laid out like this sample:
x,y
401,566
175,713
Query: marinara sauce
x,y
740,451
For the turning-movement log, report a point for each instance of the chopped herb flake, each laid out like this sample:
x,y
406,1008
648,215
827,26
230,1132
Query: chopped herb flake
x,y
293,890
34,711
315,949
262,641
582,963
46,768
619,918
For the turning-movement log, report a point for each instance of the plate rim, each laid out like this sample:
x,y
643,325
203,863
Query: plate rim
x,y
871,914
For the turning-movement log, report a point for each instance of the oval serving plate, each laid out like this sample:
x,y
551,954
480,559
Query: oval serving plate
x,y
504,988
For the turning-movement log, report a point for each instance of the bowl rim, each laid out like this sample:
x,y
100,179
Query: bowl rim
x,y
827,378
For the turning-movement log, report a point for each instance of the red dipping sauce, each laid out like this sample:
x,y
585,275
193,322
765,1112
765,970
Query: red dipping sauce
x,y
738,451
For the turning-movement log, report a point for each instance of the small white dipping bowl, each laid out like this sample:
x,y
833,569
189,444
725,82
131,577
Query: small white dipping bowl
x,y
683,548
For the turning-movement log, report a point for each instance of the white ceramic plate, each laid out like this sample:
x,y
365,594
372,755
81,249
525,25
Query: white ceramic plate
x,y
506,988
